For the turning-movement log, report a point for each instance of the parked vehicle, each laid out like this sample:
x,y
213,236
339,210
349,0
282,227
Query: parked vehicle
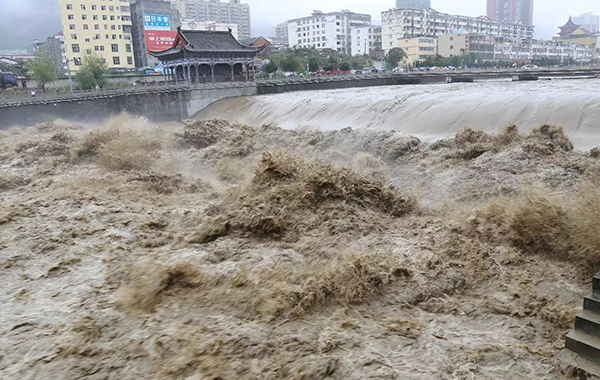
x,y
8,80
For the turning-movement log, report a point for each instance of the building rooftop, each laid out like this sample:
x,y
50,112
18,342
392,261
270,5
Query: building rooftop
x,y
205,41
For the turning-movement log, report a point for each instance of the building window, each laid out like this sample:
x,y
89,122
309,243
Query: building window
x,y
73,36
95,17
104,17
128,48
97,27
85,27
114,36
114,48
129,60
84,17
103,7
112,18
93,7
83,7
70,17
72,26
89,51
97,48
69,6
77,61
87,40
75,48
116,60
101,48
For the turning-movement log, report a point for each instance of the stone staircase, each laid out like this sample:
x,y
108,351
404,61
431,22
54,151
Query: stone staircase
x,y
584,339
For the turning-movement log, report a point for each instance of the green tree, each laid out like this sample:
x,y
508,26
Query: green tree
x,y
92,72
271,67
332,63
394,57
43,68
314,64
345,66
290,63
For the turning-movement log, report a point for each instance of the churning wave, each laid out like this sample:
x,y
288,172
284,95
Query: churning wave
x,y
430,111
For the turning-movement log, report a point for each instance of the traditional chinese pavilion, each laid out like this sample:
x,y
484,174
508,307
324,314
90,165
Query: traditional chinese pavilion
x,y
572,32
201,56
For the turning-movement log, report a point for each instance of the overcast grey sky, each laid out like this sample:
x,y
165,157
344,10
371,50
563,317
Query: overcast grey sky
x,y
25,20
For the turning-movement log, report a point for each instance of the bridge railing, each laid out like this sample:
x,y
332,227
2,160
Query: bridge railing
x,y
103,93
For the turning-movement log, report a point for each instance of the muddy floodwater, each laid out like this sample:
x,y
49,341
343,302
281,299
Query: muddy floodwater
x,y
311,236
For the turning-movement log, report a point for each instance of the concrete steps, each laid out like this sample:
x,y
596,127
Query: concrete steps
x,y
584,339
585,345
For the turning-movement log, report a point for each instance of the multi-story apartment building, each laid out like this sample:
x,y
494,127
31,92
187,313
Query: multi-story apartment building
x,y
326,30
152,35
55,47
280,31
413,4
588,21
490,48
232,12
366,40
400,24
457,44
100,27
511,11
418,48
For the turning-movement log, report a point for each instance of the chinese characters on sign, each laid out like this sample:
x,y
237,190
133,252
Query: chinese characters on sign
x,y
157,22
157,40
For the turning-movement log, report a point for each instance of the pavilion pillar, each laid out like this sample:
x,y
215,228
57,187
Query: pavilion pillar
x,y
177,75
232,72
212,72
197,74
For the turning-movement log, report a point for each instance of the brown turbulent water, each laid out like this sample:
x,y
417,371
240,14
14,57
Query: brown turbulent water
x,y
209,250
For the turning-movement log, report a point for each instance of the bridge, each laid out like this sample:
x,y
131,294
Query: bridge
x,y
167,102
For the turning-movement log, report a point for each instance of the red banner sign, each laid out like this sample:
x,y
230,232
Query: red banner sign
x,y
157,40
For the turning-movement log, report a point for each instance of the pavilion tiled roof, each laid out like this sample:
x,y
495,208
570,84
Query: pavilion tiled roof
x,y
570,24
205,41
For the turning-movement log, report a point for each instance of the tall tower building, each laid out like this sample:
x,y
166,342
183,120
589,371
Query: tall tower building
x,y
513,11
413,4
232,12
102,28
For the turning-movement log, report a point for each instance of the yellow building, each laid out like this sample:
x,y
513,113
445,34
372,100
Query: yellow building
x,y
572,32
102,27
417,48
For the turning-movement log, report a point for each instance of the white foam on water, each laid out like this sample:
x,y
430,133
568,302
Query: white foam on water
x,y
430,111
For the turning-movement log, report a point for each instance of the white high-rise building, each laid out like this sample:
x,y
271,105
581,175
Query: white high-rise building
x,y
366,40
326,30
232,12
191,24
280,31
588,21
398,24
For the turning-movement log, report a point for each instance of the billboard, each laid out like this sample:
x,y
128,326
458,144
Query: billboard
x,y
160,39
157,22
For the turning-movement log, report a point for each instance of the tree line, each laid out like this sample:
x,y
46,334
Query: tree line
x,y
42,67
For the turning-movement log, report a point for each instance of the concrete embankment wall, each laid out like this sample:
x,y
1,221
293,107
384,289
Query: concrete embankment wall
x,y
157,105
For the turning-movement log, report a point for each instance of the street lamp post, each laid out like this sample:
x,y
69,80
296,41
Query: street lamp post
x,y
69,72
